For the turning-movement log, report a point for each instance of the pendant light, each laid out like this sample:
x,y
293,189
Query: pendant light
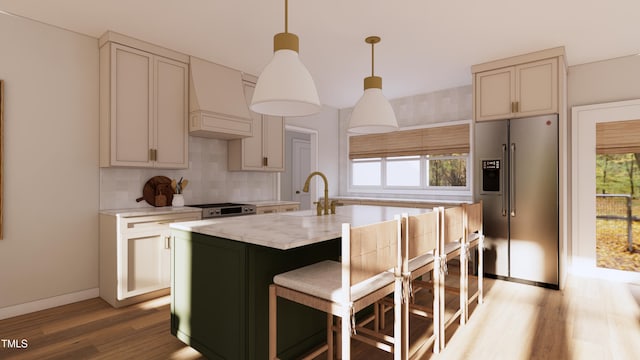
x,y
285,87
373,112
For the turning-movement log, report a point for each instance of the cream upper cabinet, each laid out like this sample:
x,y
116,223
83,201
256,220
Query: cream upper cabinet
x,y
495,93
171,118
143,108
521,90
273,142
264,151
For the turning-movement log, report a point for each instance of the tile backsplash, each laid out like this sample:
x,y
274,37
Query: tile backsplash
x,y
209,180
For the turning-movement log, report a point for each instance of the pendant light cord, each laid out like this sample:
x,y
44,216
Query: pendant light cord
x,y
286,16
372,58
373,40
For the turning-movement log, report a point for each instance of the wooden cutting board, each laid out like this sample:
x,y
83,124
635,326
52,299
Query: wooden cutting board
x,y
157,191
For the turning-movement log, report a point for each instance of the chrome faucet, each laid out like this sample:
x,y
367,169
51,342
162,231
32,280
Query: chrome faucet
x,y
326,190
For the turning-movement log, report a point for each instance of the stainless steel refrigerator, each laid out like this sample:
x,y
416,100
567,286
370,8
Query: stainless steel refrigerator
x,y
516,164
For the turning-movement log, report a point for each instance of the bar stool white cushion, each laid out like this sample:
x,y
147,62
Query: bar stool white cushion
x,y
324,280
420,261
451,247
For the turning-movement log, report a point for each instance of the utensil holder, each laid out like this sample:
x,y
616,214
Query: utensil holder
x,y
178,200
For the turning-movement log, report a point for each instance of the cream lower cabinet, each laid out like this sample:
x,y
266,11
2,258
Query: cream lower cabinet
x,y
528,89
270,209
145,264
287,208
143,108
135,255
264,151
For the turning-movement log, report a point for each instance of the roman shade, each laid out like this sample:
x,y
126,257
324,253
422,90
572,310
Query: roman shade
x,y
618,137
441,140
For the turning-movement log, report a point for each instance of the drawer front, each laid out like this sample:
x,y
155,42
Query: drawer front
x,y
155,222
266,209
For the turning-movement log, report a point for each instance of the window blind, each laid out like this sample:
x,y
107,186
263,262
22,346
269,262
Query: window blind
x,y
618,137
441,140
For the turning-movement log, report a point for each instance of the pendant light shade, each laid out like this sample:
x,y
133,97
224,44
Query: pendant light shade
x,y
285,87
373,112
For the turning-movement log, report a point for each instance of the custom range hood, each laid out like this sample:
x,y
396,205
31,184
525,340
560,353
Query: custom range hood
x,y
217,104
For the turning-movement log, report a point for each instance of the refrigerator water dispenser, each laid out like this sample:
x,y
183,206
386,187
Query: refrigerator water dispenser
x,y
491,175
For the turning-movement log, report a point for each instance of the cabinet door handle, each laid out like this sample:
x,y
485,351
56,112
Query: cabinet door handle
x,y
265,161
167,242
153,154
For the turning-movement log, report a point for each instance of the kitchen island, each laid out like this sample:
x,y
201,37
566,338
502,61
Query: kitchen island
x,y
222,269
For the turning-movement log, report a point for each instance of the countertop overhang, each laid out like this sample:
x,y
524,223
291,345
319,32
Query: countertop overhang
x,y
293,229
150,211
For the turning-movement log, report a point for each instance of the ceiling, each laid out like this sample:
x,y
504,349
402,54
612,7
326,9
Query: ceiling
x,y
427,45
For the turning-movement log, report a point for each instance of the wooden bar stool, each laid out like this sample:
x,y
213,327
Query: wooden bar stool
x,y
343,288
474,239
422,236
422,239
451,240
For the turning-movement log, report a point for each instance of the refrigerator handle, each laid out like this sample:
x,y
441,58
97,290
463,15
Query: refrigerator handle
x,y
512,182
504,198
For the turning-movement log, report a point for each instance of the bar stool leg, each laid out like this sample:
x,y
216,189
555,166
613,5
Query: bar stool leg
x,y
329,337
346,336
273,327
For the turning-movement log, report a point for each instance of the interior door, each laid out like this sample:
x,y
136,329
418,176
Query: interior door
x,y
301,156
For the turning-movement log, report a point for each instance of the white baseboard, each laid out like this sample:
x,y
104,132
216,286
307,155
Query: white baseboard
x,y
21,309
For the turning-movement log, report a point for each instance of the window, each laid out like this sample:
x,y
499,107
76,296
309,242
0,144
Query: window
x,y
366,172
416,161
411,173
403,171
447,170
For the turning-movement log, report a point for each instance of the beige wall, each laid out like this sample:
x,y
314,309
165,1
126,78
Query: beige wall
x,y
50,245
604,81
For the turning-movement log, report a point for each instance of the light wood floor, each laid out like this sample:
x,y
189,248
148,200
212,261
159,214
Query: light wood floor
x,y
590,319
92,329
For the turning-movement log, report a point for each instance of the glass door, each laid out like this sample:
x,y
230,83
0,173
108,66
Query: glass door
x,y
618,210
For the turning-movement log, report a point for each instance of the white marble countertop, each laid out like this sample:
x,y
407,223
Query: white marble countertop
x,y
292,229
150,211
399,200
271,202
